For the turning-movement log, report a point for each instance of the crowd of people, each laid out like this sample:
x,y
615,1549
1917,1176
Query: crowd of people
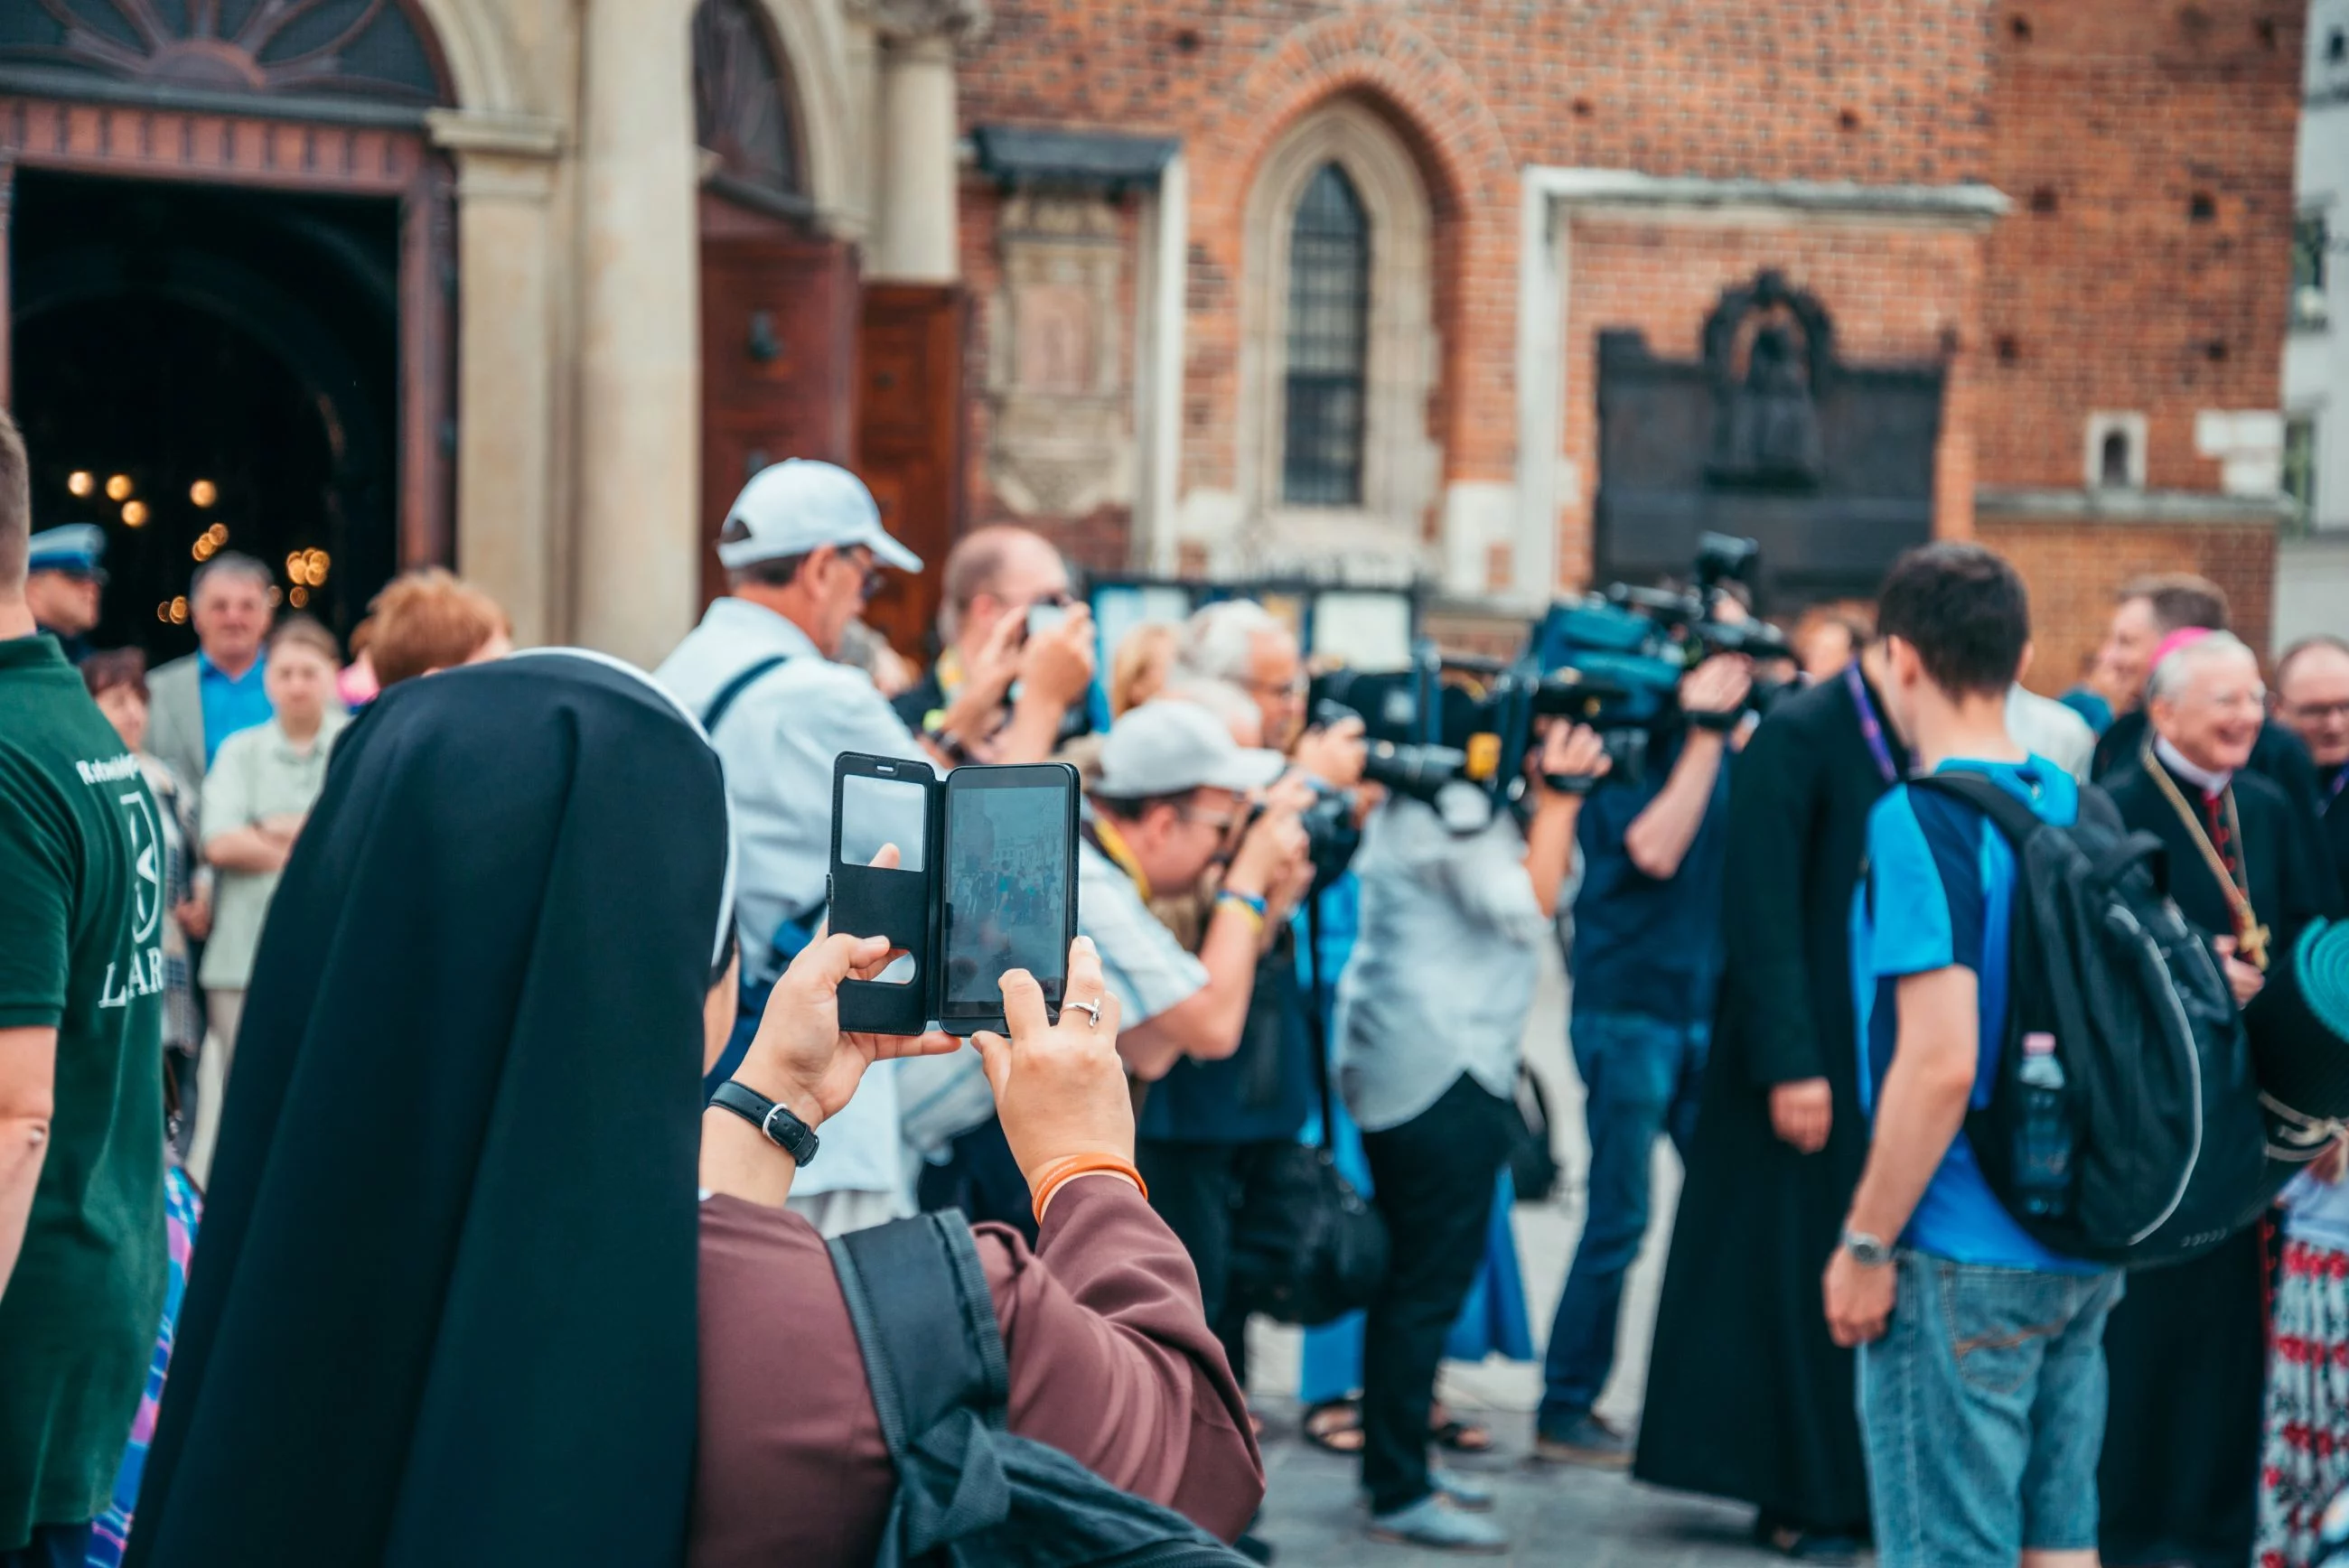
x,y
523,961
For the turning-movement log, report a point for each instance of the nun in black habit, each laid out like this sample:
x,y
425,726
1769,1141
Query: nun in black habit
x,y
2185,1350
1747,1397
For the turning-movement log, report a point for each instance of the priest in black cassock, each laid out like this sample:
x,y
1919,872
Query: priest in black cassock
x,y
1747,1397
2187,1349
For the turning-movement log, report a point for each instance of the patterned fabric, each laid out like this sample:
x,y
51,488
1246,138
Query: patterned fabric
x,y
2304,1459
183,1024
182,1210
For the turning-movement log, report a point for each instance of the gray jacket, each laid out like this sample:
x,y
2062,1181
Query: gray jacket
x,y
175,717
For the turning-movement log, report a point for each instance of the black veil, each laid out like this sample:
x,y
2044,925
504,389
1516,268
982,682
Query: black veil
x,y
441,1306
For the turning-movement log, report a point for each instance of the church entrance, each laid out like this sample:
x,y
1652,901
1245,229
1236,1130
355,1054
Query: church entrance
x,y
228,284
200,370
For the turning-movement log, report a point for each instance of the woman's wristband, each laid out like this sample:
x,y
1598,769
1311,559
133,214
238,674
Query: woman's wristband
x,y
1058,1174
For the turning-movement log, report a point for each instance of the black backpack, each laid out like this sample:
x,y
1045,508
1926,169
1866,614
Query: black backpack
x,y
969,1493
2168,1142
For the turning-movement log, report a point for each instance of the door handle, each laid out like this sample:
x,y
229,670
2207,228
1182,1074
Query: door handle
x,y
764,348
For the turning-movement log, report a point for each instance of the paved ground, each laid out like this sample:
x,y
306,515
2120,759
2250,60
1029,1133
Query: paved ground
x,y
1313,1514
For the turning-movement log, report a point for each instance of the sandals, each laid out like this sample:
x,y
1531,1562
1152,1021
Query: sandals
x,y
1335,1427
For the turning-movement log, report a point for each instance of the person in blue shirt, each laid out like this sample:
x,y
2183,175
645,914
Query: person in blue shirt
x,y
1647,963
199,701
1982,1372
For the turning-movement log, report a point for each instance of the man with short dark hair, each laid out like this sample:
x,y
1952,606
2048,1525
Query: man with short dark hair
x,y
2311,698
64,579
82,1260
803,548
1981,1386
200,700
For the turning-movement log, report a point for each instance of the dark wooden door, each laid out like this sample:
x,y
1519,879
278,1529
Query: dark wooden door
x,y
778,355
909,441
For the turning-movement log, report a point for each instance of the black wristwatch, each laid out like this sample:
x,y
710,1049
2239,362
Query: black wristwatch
x,y
785,1130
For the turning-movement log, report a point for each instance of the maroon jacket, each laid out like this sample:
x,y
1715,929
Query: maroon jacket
x,y
1112,1362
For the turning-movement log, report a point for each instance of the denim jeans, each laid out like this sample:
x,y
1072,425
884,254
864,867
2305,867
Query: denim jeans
x,y
1982,1413
1640,1079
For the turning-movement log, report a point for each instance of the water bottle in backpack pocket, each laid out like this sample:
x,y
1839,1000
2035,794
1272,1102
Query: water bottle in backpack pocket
x,y
2042,1133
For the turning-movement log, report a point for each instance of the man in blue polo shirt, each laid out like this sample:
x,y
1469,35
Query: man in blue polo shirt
x,y
199,701
1982,1372
1646,962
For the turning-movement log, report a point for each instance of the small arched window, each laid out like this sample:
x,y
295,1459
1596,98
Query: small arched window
x,y
1327,334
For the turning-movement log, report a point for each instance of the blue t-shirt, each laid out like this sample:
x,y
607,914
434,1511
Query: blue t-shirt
x,y
1643,945
1940,892
230,702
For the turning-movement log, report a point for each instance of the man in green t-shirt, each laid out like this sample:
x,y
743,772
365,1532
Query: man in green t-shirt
x,y
82,1260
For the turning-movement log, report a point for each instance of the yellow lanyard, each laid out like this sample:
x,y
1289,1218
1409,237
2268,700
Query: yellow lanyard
x,y
1114,846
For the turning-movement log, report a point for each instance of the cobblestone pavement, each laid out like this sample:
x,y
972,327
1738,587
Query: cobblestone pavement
x,y
1313,1513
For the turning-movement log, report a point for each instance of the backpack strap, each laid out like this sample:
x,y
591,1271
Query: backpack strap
x,y
941,1383
735,687
2014,816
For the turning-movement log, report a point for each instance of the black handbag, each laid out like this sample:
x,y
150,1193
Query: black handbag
x,y
1307,1248
1533,1162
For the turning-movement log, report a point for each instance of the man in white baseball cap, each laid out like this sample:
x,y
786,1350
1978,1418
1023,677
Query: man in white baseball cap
x,y
803,550
1174,792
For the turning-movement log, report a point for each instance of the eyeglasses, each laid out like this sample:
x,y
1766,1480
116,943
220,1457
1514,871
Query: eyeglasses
x,y
874,580
2319,712
1222,822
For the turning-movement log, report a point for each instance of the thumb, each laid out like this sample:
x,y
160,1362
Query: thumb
x,y
994,1057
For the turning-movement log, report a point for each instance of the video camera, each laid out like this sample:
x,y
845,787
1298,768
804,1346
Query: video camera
x,y
1611,660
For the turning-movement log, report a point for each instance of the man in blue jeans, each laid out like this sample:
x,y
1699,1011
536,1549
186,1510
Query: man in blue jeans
x,y
1981,1367
1647,961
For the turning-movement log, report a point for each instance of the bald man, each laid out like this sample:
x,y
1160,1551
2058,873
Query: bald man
x,y
2312,700
994,576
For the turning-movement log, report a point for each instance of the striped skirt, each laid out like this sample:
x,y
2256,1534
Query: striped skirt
x,y
2304,1455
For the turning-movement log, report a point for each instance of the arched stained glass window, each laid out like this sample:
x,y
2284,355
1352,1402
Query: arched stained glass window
x,y
1327,344
742,98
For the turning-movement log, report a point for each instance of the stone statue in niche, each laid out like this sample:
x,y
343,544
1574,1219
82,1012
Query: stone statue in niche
x,y
1765,428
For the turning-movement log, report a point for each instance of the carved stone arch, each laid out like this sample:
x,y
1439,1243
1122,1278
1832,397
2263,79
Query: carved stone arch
x,y
1401,468
484,67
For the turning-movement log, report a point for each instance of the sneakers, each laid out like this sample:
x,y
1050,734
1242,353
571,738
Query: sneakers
x,y
1466,1495
1585,1440
1438,1524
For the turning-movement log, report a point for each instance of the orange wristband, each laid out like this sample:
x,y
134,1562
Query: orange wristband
x,y
1058,1172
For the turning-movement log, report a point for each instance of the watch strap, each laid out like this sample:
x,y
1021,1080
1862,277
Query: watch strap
x,y
1869,1252
783,1128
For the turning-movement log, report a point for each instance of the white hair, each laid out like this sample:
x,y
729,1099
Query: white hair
x,y
2177,671
1232,708
1219,640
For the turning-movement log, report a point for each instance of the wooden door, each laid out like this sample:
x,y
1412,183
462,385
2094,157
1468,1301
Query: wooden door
x,y
778,352
909,415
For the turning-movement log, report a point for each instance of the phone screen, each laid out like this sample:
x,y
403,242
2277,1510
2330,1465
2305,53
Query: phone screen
x,y
877,811
1007,890
1042,618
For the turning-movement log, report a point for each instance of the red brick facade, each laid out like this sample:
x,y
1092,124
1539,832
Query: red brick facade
x,y
2142,268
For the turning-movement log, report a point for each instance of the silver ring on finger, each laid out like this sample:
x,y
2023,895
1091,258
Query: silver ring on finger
x,y
1091,1011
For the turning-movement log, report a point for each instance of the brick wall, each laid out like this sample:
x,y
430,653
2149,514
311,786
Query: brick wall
x,y
2075,568
2148,152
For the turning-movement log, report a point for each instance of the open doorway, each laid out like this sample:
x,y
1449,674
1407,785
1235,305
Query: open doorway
x,y
199,368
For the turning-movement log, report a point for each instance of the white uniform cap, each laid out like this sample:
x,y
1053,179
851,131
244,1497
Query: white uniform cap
x,y
1166,748
796,505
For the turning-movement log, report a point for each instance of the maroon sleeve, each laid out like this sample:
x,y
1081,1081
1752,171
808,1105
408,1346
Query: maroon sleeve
x,y
1112,1360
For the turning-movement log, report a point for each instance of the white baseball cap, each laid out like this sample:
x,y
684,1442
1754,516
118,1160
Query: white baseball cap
x,y
1167,746
796,505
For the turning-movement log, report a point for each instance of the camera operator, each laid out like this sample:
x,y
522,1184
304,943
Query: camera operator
x,y
1241,644
1174,792
1646,961
803,548
1431,1016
